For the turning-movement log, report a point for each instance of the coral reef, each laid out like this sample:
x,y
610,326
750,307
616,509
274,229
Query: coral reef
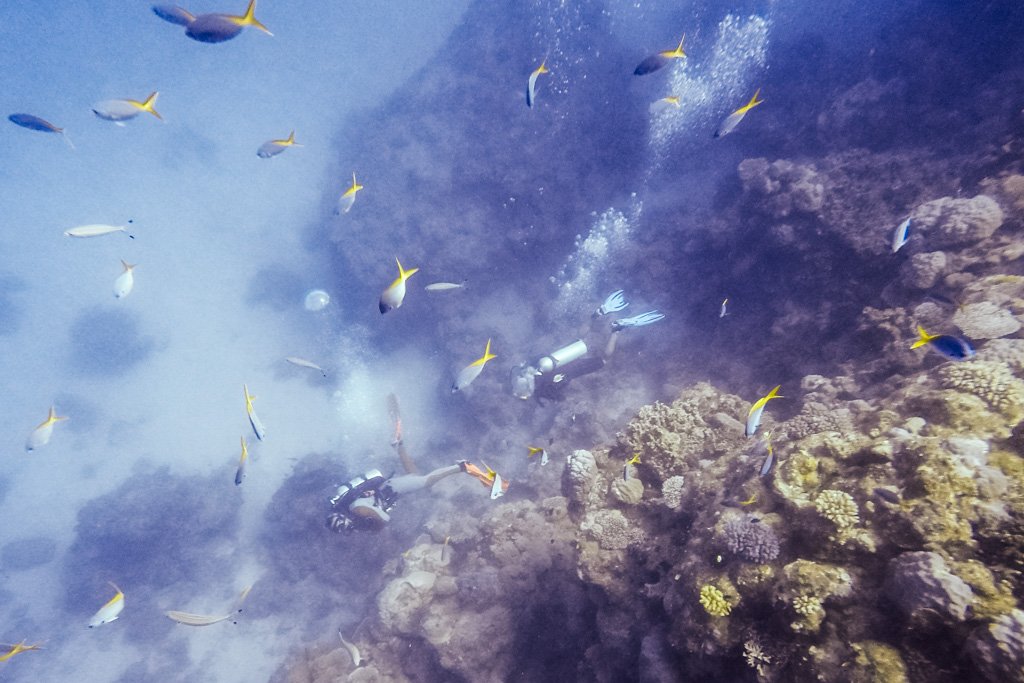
x,y
752,539
921,585
713,601
839,508
997,649
952,222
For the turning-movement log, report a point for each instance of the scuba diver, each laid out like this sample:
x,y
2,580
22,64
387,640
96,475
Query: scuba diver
x,y
364,503
548,377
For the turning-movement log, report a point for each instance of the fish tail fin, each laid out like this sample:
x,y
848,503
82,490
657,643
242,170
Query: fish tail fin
x,y
67,139
774,393
149,104
405,274
249,18
753,100
543,68
922,338
291,142
679,50
487,355
128,266
114,585
54,417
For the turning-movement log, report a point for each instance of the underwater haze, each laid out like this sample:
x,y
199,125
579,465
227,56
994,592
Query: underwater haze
x,y
717,308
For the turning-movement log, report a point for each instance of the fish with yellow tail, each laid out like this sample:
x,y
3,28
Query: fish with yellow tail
x,y
40,436
488,478
272,148
393,296
189,619
16,649
756,410
254,419
534,450
243,462
125,282
348,197
947,345
110,611
97,230
217,27
733,119
473,370
660,60
531,85
669,103
121,110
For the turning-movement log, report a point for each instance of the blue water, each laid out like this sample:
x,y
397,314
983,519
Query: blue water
x,y
542,211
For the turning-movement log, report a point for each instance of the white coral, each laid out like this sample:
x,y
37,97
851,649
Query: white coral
x,y
985,320
838,507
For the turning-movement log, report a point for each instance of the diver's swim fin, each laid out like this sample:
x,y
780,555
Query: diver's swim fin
x,y
638,320
616,301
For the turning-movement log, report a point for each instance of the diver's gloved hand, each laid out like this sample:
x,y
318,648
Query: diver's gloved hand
x,y
638,320
616,301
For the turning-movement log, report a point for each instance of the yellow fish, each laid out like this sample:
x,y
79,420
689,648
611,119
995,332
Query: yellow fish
x,y
733,119
243,460
216,28
473,370
660,60
754,416
531,86
122,110
393,296
274,147
348,198
110,611
40,436
17,649
254,420
635,460
664,104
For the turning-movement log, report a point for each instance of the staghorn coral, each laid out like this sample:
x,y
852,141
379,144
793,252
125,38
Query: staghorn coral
x,y
985,320
713,601
951,222
838,507
756,658
751,538
991,381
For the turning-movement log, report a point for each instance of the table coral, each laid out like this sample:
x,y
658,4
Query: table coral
x,y
991,381
985,320
953,222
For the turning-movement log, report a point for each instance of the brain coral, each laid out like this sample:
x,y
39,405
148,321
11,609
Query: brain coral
x,y
989,380
838,507
950,222
985,320
751,539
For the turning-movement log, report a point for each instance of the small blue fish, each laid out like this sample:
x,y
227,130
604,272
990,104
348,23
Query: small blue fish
x,y
953,348
901,236
724,310
33,122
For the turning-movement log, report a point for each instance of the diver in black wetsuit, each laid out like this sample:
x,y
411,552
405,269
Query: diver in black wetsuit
x,y
548,377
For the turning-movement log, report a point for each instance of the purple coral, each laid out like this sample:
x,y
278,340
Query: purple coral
x,y
751,539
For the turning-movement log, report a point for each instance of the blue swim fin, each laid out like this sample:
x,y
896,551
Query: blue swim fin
x,y
616,301
638,320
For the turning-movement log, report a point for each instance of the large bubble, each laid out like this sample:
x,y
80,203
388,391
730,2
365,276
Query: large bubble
x,y
317,300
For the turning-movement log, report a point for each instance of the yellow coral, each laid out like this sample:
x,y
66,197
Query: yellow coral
x,y
806,605
713,601
838,507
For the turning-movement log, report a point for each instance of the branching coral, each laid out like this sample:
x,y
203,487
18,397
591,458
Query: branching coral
x,y
751,539
807,605
838,507
713,601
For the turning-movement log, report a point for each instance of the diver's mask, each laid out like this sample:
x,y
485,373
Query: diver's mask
x,y
521,380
